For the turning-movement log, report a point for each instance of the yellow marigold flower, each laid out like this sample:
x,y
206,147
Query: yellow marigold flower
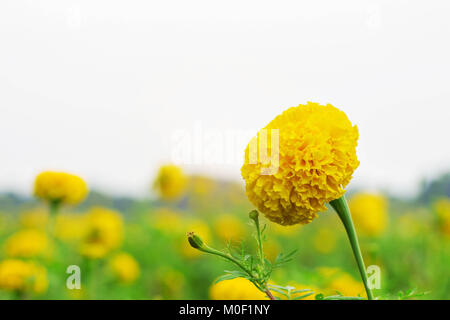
x,y
34,219
104,232
369,213
60,187
170,182
200,228
325,240
70,227
27,244
125,267
227,227
317,158
236,289
18,275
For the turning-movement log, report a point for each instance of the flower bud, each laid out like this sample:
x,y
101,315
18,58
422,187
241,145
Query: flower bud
x,y
194,240
253,215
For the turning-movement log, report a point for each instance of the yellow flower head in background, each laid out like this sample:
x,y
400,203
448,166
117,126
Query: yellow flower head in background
x,y
235,289
337,280
369,213
227,227
34,219
104,232
317,158
442,208
27,244
170,182
60,187
18,275
124,267
347,286
70,227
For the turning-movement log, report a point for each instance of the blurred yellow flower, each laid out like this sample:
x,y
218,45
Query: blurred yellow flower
x,y
125,267
27,244
325,240
337,280
236,289
170,282
229,228
34,219
369,213
201,229
170,182
104,232
21,276
60,187
347,286
317,158
70,227
442,208
166,220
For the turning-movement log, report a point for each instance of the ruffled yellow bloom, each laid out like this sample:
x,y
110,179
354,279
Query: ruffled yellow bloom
x,y
104,232
70,227
125,267
34,219
60,187
442,208
200,228
227,227
170,182
236,289
369,213
18,275
325,240
317,158
27,244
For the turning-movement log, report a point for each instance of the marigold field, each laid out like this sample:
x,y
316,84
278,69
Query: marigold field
x,y
137,248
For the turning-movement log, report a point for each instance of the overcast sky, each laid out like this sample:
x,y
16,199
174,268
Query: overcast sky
x,y
105,89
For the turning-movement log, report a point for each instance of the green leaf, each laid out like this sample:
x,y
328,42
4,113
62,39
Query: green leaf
x,y
303,296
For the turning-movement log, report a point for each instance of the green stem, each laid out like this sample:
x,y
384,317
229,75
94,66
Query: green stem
x,y
54,208
341,208
260,243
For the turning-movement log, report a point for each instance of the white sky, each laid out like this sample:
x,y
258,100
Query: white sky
x,y
100,88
